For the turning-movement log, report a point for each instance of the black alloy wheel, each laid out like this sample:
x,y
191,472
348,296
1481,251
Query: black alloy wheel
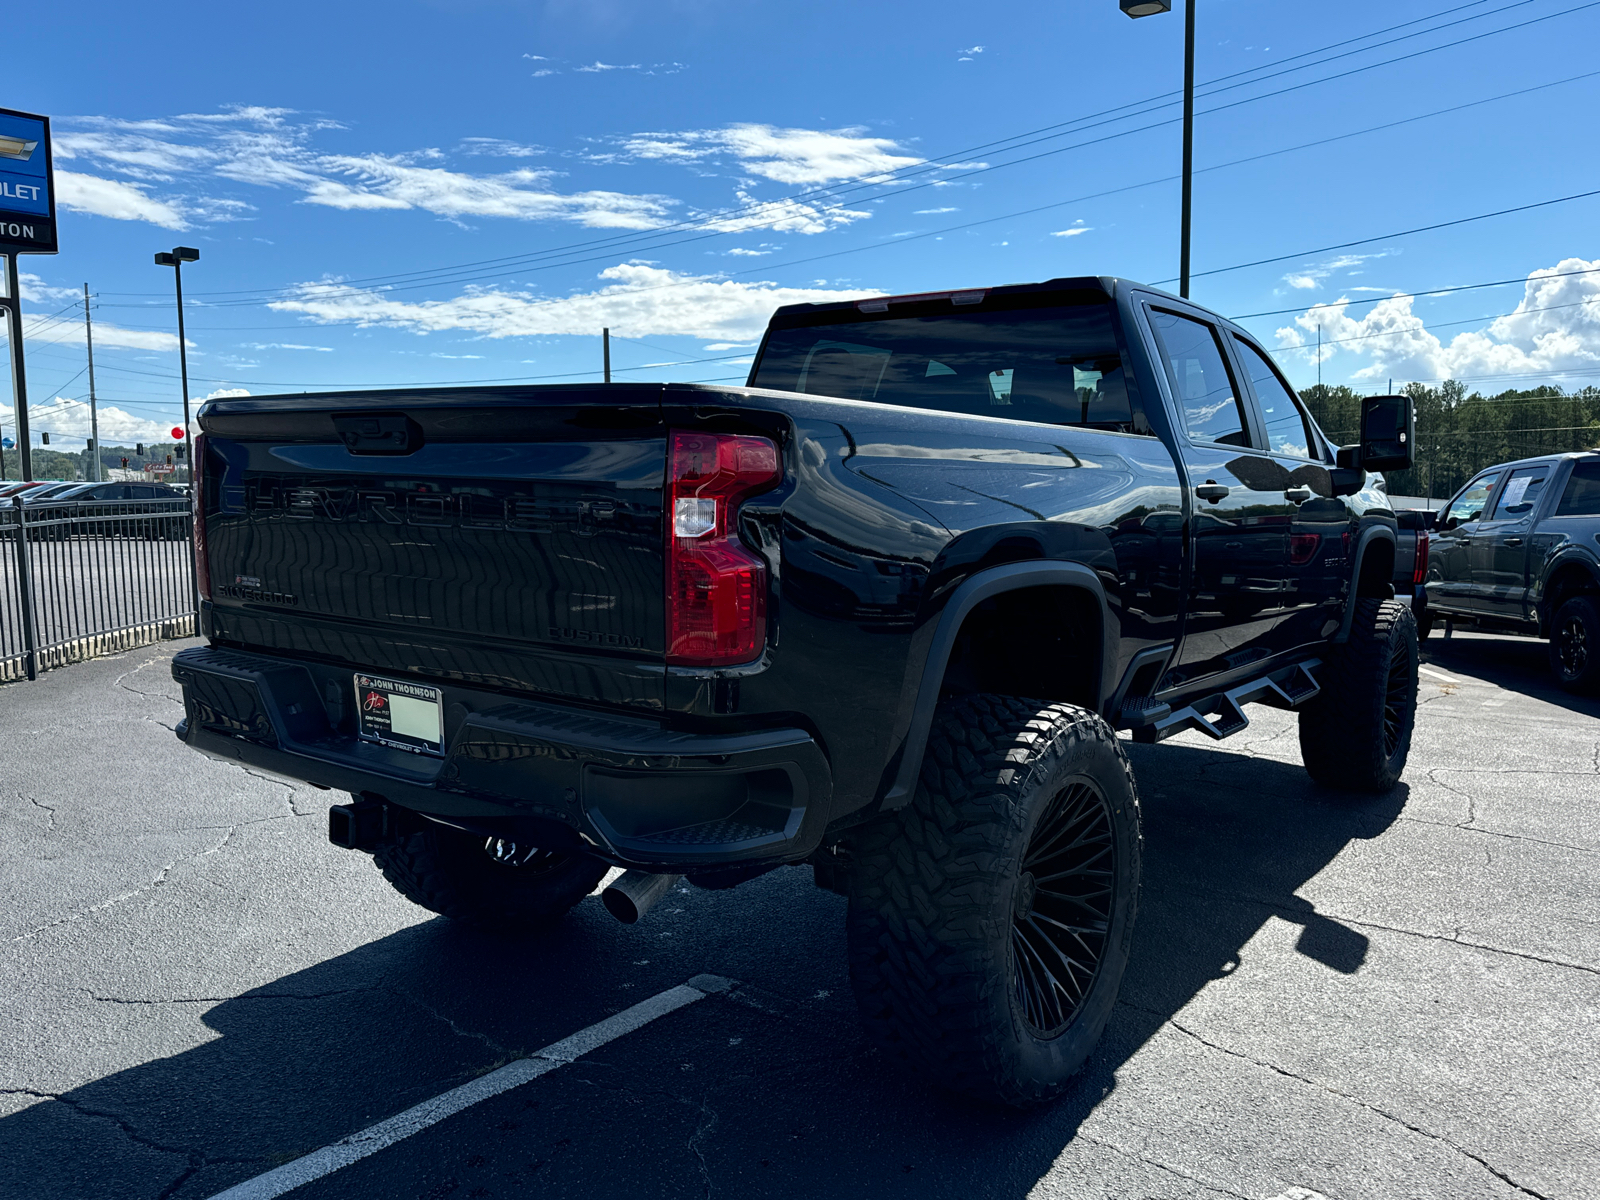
x,y
1572,644
1063,910
1575,644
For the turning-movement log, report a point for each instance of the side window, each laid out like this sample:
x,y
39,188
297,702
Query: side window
x,y
1288,431
141,492
1521,493
1470,504
1582,497
1199,373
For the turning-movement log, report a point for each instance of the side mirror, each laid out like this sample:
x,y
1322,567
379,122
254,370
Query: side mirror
x,y
1388,433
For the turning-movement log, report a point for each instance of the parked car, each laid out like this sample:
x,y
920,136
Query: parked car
x,y
39,487
880,611
119,509
1518,550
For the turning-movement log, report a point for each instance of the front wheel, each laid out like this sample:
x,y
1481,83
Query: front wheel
x,y
1575,645
1356,733
487,882
990,919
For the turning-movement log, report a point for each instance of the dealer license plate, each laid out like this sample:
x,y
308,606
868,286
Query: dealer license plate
x,y
408,716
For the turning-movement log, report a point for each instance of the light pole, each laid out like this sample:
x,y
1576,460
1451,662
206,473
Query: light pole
x,y
1149,8
175,260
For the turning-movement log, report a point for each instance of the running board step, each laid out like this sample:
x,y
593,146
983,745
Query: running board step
x,y
1222,714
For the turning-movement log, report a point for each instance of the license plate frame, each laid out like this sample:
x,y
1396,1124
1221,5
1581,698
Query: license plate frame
x,y
415,724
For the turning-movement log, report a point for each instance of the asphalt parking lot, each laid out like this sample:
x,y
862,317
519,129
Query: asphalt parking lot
x,y
1334,996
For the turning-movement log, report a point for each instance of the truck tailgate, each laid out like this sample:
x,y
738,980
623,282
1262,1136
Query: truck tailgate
x,y
509,539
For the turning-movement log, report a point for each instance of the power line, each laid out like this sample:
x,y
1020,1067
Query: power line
x,y
444,274
1426,293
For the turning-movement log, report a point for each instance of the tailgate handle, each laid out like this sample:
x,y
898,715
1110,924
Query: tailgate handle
x,y
378,433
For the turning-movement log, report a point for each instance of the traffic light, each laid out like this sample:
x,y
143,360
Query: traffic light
x,y
138,449
46,438
169,460
183,451
124,464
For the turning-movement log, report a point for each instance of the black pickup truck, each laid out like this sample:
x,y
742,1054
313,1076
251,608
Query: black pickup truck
x,y
880,611
1518,551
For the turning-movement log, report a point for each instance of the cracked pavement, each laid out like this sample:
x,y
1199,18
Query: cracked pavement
x,y
1330,996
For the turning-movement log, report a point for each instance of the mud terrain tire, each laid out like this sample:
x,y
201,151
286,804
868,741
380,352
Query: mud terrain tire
x,y
990,919
1355,734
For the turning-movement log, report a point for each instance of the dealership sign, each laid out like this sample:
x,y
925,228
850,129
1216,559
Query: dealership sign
x,y
27,190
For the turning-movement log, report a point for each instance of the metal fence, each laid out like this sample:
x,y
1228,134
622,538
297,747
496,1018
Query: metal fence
x,y
88,578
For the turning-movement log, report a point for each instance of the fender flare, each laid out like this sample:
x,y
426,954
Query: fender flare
x,y
980,587
1377,533
1559,561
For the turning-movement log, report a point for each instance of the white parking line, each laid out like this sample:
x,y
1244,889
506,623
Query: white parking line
x,y
1438,675
430,1112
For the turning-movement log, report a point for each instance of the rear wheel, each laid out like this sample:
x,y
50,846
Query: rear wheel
x,y
488,882
1575,645
990,919
1356,734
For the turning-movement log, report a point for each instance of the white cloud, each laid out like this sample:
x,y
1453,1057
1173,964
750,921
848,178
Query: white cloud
x,y
973,50
284,346
639,300
107,336
269,148
1555,328
499,148
1077,228
115,199
929,212
396,182
1311,277
36,291
784,216
70,419
792,156
717,347
597,66
226,393
741,252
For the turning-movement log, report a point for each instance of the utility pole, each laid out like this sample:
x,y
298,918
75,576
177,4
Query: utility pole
x,y
1188,144
94,413
19,374
605,343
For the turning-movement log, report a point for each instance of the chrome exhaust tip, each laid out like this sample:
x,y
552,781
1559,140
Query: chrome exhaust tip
x,y
634,893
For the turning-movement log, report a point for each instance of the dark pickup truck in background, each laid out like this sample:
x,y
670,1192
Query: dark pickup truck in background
x,y
880,611
1518,551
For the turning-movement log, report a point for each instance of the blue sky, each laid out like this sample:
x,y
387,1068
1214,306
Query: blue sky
x,y
432,192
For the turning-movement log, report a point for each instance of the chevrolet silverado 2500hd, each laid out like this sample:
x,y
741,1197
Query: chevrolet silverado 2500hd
x,y
880,611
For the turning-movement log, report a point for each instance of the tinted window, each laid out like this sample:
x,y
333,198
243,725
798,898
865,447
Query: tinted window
x,y
1288,431
1205,389
141,492
1582,497
1521,493
1059,365
1469,505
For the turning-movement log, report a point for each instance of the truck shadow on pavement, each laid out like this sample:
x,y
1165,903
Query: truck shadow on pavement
x,y
798,1104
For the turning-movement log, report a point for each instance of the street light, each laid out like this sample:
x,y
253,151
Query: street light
x,y
1149,8
175,260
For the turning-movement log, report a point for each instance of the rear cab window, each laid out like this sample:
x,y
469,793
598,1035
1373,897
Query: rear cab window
x,y
1581,496
1210,403
1521,493
1057,364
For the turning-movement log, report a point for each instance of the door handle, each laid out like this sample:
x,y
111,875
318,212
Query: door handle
x,y
1212,491
1297,495
1513,541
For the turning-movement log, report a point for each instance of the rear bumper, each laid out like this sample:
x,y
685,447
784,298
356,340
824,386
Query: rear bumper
x,y
623,789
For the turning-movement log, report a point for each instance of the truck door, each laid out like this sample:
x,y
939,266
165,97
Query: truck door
x,y
1239,530
1497,552
1318,520
1449,569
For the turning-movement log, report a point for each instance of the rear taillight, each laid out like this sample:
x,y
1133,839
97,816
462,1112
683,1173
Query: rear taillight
x,y
1419,570
716,588
197,498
